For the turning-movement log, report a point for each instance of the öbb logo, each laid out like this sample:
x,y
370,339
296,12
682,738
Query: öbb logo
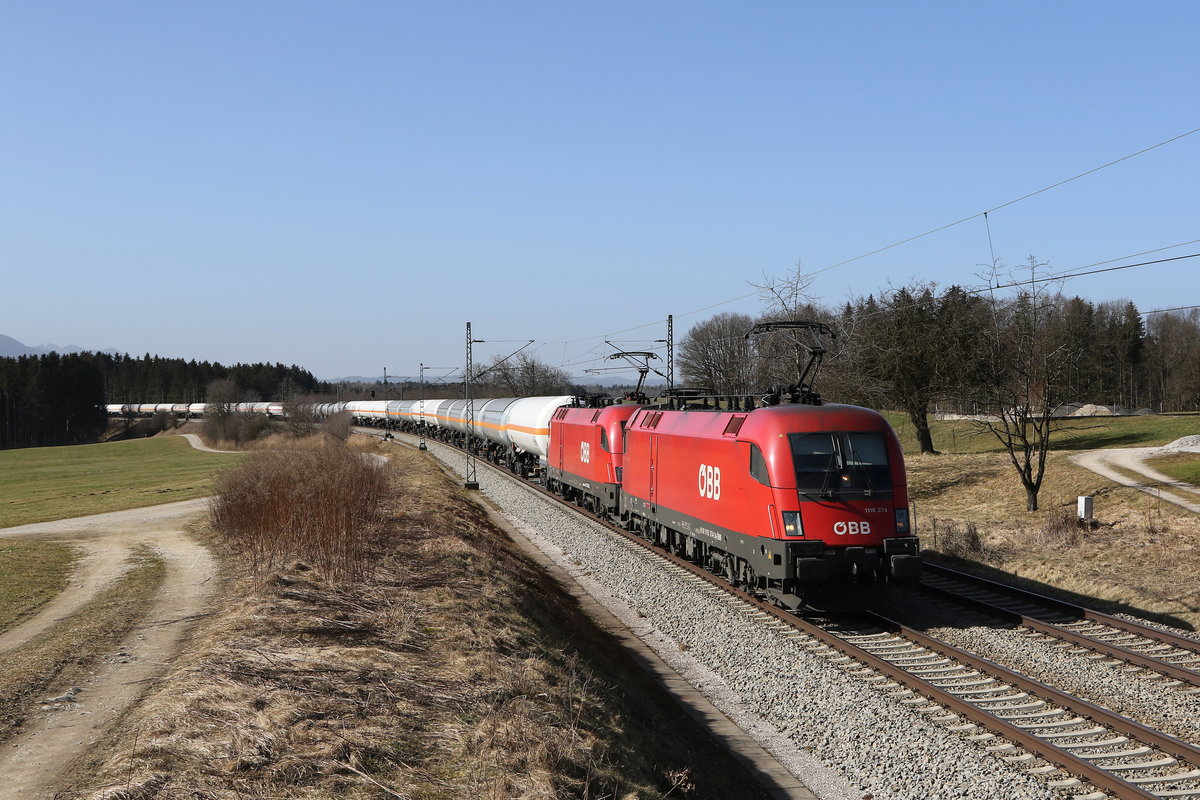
x,y
585,452
710,482
853,528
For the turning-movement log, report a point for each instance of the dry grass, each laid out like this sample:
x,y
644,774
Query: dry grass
x,y
51,662
458,671
1142,557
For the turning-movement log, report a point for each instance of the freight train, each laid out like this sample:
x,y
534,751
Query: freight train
x,y
783,499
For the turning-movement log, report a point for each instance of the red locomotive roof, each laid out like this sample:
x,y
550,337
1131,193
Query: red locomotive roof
x,y
769,428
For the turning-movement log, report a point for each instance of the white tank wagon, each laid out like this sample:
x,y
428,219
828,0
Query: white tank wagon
x,y
528,422
514,431
368,412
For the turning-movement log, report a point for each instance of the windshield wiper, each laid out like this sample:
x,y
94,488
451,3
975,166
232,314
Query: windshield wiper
x,y
866,473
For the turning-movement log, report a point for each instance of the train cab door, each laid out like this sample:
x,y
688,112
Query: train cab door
x,y
653,474
561,435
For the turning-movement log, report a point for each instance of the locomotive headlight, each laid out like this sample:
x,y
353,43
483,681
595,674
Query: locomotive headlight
x,y
902,520
791,524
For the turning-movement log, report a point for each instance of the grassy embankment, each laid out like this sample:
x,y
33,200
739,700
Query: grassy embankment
x,y
1144,555
47,483
1182,466
397,645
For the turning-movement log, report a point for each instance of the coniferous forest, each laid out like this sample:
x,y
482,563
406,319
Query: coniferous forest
x,y
59,399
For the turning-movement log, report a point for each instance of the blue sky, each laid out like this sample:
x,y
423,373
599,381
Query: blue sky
x,y
344,185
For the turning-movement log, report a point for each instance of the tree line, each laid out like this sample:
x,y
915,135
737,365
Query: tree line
x,y
920,351
1013,363
59,399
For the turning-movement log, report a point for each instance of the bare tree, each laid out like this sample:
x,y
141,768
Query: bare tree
x,y
1030,377
785,298
219,407
716,354
918,347
299,419
525,375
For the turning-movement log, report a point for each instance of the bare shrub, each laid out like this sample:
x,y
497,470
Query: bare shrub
x,y
300,420
959,542
338,425
1061,529
163,420
320,503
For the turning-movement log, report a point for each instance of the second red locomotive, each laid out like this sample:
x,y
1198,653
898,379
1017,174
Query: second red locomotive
x,y
781,499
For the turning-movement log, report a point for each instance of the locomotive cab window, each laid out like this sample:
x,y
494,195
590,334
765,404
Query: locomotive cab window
x,y
758,466
846,465
604,440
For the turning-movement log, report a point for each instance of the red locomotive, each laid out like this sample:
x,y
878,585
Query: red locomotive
x,y
583,459
783,500
779,499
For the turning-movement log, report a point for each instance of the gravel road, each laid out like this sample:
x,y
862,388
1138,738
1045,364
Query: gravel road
x,y
1132,459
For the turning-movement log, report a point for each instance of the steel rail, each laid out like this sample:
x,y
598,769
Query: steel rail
x,y
1072,763
1166,637
1051,629
1185,674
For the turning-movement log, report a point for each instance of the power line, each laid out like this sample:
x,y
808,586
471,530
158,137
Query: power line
x,y
1009,203
1135,255
1065,276
911,238
1167,310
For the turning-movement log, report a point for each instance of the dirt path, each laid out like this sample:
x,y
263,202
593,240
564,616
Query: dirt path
x,y
1102,462
196,442
32,763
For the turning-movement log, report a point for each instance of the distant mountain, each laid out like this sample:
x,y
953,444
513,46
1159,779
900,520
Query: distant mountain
x,y
11,348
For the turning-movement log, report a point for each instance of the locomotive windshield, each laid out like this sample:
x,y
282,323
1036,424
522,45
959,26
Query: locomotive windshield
x,y
841,464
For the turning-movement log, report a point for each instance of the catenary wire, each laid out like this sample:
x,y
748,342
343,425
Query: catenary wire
x,y
938,229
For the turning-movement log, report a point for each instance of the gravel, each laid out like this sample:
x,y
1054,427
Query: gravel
x,y
1189,444
1142,696
841,737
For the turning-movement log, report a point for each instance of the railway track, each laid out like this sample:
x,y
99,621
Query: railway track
x,y
1119,757
1171,655
1074,746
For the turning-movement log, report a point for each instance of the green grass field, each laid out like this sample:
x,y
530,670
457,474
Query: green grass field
x,y
1181,466
30,574
46,483
1081,433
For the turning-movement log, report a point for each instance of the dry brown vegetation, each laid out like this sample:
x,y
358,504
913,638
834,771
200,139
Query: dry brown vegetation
x,y
1142,556
456,669
312,499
